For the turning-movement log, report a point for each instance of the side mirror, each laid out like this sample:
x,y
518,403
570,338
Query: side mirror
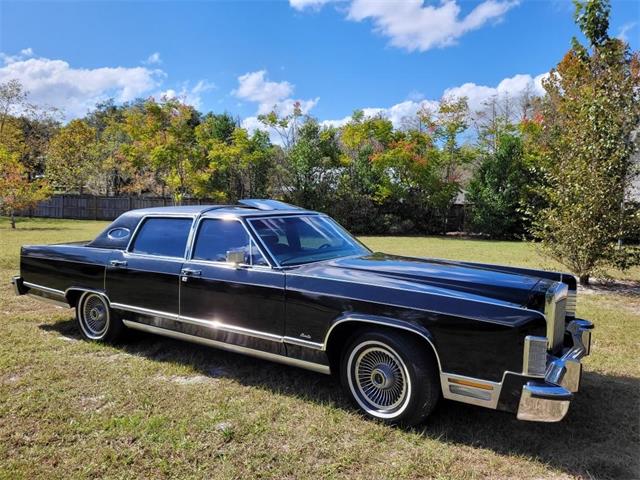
x,y
236,257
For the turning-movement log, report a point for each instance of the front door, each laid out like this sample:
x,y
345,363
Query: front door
x,y
147,277
240,303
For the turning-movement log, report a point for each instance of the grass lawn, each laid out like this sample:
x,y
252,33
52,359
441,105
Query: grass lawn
x,y
155,407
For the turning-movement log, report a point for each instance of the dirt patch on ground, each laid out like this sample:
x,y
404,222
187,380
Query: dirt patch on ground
x,y
186,379
618,287
93,404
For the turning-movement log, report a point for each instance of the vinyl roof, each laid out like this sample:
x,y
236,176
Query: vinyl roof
x,y
214,210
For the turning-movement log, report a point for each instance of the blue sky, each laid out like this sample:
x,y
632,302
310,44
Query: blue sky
x,y
245,57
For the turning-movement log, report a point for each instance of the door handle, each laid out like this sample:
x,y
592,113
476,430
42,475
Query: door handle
x,y
118,263
190,272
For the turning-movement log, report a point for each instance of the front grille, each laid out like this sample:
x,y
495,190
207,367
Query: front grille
x,y
534,362
555,312
570,307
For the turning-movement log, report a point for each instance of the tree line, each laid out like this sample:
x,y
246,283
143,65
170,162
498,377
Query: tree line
x,y
552,167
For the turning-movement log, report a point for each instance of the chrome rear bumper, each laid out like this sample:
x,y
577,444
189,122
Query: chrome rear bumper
x,y
548,401
18,287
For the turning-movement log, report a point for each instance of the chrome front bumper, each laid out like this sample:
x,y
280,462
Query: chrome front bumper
x,y
548,400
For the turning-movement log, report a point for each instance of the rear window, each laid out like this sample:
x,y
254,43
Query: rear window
x,y
165,237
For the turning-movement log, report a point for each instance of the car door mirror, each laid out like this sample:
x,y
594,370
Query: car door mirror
x,y
236,257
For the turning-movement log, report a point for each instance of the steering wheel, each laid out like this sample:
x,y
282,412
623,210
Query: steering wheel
x,y
324,245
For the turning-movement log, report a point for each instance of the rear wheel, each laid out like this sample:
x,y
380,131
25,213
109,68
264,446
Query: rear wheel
x,y
96,320
391,376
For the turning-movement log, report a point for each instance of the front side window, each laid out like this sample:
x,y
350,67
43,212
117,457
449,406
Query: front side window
x,y
165,237
217,237
303,239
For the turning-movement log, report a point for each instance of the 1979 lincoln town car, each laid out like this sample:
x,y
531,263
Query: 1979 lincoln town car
x,y
272,280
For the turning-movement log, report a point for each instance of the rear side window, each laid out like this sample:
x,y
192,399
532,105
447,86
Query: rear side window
x,y
165,237
216,237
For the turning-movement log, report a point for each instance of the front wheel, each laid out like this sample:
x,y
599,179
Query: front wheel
x,y
391,376
96,320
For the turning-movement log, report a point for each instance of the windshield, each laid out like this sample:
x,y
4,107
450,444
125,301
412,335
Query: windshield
x,y
303,239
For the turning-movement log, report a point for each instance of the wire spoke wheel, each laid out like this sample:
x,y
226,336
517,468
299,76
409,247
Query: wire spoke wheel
x,y
379,379
94,316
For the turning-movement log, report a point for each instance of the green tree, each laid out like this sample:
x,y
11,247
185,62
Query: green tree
x,y
163,152
497,191
446,124
71,159
310,176
362,138
590,112
238,166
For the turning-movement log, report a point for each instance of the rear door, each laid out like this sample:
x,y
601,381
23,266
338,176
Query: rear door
x,y
145,279
240,303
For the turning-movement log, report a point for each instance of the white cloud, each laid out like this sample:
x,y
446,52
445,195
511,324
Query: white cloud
x,y
624,30
57,84
477,95
313,4
512,87
398,114
153,59
252,124
27,52
255,87
189,95
414,25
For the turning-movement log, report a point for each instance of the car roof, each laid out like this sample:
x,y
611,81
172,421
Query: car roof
x,y
215,211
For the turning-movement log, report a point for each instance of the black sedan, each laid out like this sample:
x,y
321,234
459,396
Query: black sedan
x,y
285,284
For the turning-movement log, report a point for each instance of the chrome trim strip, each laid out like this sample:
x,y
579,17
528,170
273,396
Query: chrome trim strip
x,y
380,322
303,343
215,325
231,266
152,257
43,288
145,311
212,324
555,313
232,348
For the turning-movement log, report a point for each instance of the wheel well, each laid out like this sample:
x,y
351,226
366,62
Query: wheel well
x,y
73,295
342,335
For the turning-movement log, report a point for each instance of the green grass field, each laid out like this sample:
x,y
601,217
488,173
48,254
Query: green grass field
x,y
161,408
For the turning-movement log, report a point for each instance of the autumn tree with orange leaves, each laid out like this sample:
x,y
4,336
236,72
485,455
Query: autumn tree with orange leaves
x,y
17,192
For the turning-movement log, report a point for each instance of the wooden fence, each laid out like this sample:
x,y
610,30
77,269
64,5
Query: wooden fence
x,y
89,207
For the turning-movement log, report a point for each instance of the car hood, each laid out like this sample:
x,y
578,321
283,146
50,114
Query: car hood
x,y
428,275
